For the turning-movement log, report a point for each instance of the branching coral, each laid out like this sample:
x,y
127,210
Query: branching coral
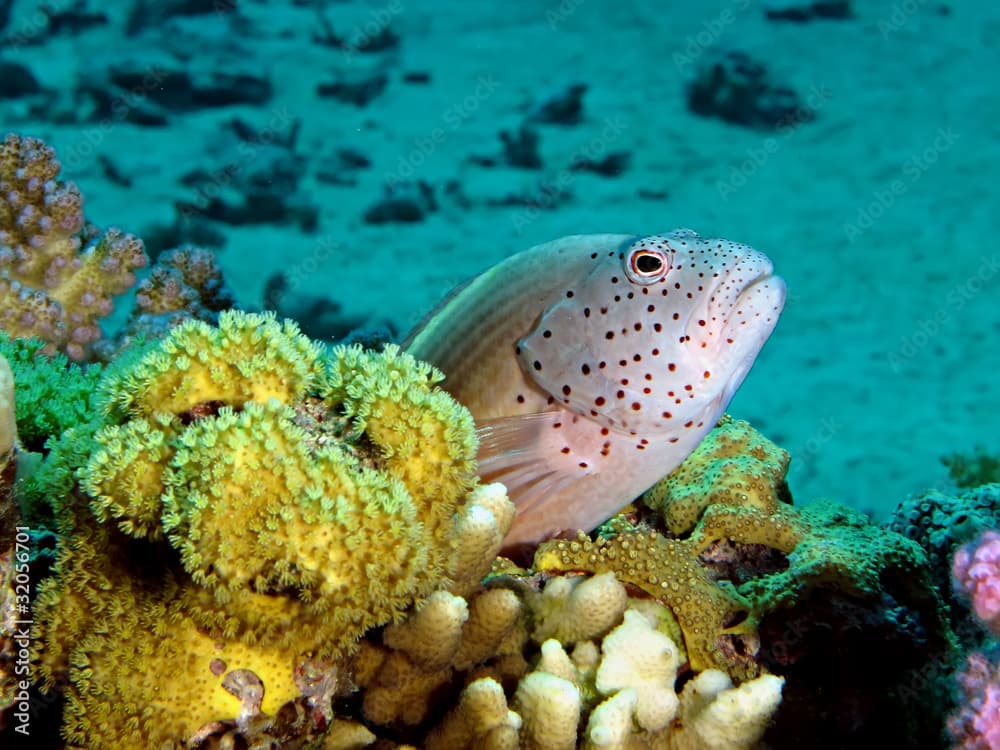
x,y
183,284
57,276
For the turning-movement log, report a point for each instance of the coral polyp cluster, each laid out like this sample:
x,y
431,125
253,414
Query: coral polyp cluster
x,y
248,503
57,274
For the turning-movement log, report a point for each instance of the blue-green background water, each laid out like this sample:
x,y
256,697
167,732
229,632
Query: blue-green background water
x,y
285,122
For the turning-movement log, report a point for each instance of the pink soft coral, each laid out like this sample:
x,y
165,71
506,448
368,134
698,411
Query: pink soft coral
x,y
976,571
976,723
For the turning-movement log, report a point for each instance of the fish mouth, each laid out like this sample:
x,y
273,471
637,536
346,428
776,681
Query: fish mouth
x,y
742,310
751,321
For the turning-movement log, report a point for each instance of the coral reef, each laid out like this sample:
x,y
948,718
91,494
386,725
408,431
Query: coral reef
x,y
763,581
941,523
8,519
736,466
52,394
57,275
975,723
8,423
620,686
735,88
264,543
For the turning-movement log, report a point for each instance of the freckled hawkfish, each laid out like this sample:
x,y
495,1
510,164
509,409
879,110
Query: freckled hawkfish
x,y
593,365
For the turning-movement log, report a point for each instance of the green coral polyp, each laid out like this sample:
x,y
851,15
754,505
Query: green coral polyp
x,y
247,357
125,476
426,439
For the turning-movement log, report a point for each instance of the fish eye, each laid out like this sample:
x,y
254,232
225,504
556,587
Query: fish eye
x,y
646,265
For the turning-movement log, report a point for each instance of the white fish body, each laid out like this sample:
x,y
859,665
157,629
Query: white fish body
x,y
595,364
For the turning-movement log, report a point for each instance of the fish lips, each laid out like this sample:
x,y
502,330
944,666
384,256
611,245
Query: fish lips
x,y
749,324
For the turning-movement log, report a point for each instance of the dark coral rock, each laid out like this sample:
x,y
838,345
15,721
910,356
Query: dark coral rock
x,y
611,165
545,195
800,12
736,88
17,80
940,523
404,202
520,149
973,469
342,166
146,94
358,90
72,20
858,673
147,14
255,180
565,107
417,77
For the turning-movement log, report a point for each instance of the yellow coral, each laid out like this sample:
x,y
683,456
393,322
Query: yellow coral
x,y
295,528
140,672
311,521
247,357
426,438
125,477
733,465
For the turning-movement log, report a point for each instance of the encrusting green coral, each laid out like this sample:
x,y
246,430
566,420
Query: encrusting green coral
x,y
250,503
52,394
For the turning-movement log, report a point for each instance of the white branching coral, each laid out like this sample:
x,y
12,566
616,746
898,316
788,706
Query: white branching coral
x,y
572,609
717,716
640,658
549,708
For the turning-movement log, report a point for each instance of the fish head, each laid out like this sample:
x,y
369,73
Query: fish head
x,y
658,335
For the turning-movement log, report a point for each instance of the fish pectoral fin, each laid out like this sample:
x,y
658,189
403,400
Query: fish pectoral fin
x,y
526,453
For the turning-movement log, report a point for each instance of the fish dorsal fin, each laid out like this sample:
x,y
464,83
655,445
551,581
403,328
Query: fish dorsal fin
x,y
527,453
433,313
